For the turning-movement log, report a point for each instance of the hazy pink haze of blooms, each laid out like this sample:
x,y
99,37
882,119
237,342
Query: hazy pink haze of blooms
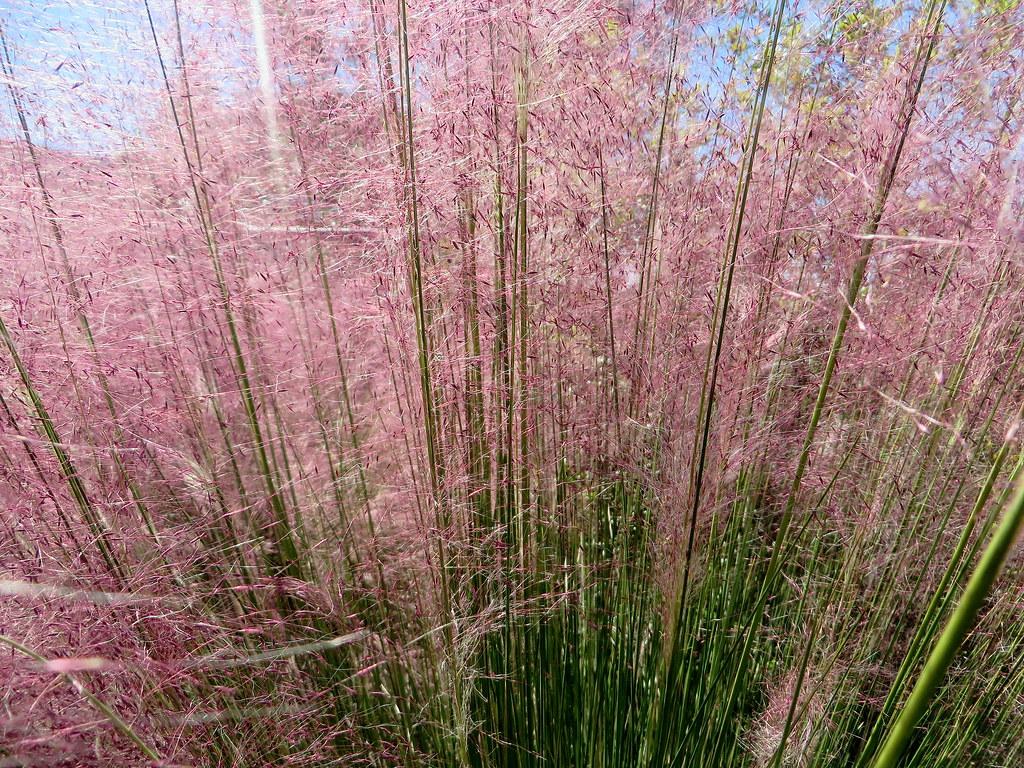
x,y
314,306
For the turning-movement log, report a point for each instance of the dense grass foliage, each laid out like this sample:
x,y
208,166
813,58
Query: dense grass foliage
x,y
511,384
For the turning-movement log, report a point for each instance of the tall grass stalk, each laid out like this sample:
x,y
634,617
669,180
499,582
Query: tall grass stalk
x,y
976,591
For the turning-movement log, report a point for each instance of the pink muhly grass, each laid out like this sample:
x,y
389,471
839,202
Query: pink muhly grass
x,y
508,384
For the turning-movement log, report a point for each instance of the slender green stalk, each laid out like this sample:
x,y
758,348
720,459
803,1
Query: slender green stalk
x,y
978,588
105,709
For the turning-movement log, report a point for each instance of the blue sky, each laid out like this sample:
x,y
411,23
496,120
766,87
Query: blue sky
x,y
89,71
76,63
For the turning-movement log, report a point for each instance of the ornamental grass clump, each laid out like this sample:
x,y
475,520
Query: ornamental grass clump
x,y
508,384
